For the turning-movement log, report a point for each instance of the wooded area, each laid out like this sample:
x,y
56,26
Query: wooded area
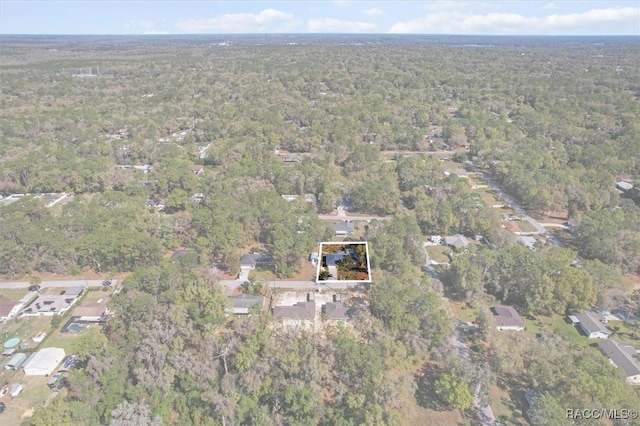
x,y
372,121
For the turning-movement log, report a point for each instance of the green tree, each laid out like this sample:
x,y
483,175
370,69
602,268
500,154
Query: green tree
x,y
454,391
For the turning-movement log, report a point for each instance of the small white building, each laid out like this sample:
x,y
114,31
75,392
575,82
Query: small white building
x,y
624,186
44,362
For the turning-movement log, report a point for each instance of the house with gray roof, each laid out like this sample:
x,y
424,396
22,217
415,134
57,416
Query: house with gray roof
x,y
528,241
336,311
251,260
592,324
344,228
301,311
456,241
624,357
507,318
240,305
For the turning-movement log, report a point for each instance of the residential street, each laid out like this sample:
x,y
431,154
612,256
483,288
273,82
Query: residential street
x,y
293,285
53,284
515,206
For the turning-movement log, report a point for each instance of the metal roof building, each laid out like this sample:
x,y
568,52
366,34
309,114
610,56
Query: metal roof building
x,y
44,362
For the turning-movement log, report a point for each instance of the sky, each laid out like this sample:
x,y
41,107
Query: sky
x,y
340,16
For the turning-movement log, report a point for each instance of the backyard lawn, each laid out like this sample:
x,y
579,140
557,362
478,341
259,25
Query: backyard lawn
x,y
13,294
461,311
622,332
525,226
439,253
507,407
489,196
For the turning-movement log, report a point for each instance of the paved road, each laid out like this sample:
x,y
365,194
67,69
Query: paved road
x,y
54,284
418,152
516,206
293,285
354,218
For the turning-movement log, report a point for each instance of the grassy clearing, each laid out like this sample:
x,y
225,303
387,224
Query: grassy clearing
x,y
35,392
439,253
507,407
554,324
95,294
525,226
489,196
462,312
414,407
622,332
25,329
13,294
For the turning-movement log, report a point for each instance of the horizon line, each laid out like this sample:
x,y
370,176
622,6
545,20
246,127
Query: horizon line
x,y
319,33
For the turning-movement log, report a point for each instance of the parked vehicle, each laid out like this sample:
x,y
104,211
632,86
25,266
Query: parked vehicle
x,y
4,391
53,381
16,389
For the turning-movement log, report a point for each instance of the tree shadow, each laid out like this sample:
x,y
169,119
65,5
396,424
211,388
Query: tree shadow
x,y
425,392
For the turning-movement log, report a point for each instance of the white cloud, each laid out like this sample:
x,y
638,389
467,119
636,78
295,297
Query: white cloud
x,y
551,5
595,21
330,25
235,23
372,12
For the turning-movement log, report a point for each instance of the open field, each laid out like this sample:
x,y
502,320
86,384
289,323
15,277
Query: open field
x,y
13,294
417,408
507,407
35,392
489,196
439,253
524,226
461,311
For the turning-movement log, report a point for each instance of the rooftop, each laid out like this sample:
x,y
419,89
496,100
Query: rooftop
x,y
592,322
528,241
241,304
344,227
458,241
299,311
336,311
6,305
507,316
254,259
91,309
621,355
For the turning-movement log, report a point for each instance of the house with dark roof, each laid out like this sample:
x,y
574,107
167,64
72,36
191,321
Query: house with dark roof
x,y
624,357
456,241
252,260
301,311
240,305
344,228
507,318
336,311
592,324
